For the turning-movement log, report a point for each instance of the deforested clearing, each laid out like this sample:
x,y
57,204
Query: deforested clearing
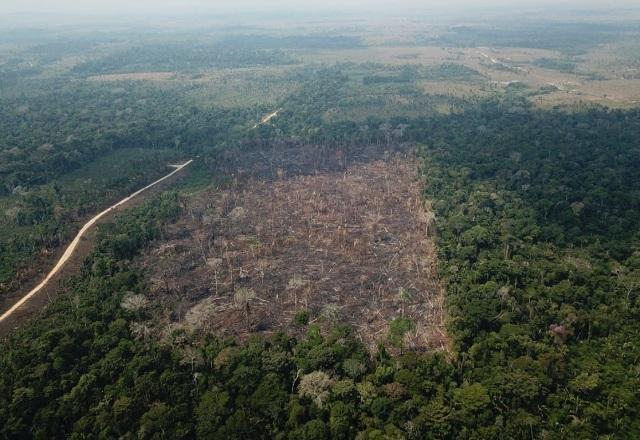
x,y
134,76
350,247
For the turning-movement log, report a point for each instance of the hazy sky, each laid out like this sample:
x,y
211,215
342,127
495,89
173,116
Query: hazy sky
x,y
212,6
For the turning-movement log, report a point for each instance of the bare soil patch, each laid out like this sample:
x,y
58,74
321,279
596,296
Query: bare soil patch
x,y
136,76
348,246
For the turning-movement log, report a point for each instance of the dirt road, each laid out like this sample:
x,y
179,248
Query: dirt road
x,y
72,247
267,118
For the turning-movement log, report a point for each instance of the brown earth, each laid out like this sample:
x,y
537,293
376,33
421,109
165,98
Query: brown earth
x,y
137,76
346,246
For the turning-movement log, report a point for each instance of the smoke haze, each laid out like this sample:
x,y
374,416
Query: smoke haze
x,y
119,7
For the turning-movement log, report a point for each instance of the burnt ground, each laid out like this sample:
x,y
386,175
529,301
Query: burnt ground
x,y
347,243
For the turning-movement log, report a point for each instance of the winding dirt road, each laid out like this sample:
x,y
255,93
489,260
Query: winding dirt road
x,y
71,248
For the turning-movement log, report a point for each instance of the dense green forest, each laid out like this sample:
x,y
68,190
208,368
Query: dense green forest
x,y
539,244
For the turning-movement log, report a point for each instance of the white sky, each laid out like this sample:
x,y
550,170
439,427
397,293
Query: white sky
x,y
212,6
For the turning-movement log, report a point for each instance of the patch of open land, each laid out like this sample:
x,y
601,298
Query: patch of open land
x,y
349,246
136,76
604,75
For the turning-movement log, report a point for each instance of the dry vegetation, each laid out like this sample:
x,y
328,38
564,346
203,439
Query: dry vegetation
x,y
597,79
603,75
237,87
136,76
608,63
351,246
223,87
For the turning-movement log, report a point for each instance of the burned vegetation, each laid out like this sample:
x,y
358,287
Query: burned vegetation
x,y
350,245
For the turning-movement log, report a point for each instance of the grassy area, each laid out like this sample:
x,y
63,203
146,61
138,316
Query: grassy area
x,y
232,88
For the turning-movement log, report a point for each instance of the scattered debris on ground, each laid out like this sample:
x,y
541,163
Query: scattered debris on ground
x,y
349,246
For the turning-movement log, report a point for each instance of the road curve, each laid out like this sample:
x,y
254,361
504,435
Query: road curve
x,y
69,251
